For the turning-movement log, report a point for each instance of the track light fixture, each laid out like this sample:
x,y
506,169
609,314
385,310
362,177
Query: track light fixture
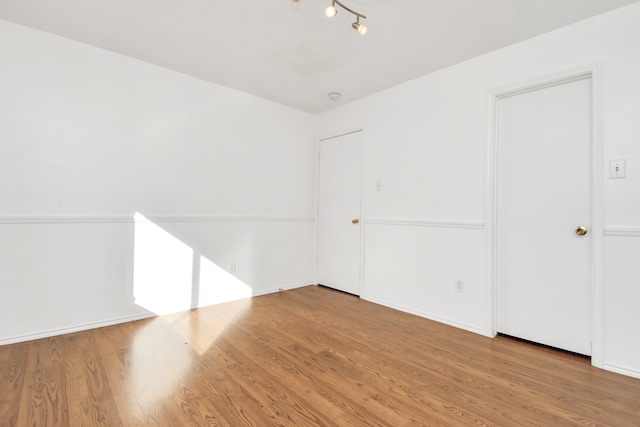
x,y
362,29
331,11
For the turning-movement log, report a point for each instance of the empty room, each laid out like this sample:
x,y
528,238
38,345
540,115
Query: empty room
x,y
319,213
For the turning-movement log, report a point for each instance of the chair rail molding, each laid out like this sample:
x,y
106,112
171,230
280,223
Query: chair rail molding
x,y
432,223
122,219
622,231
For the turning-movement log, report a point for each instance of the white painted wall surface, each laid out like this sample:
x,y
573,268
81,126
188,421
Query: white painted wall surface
x,y
425,142
89,138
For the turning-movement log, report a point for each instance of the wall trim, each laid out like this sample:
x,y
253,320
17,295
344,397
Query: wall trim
x,y
77,328
113,219
473,225
230,218
622,231
283,288
120,320
438,319
59,219
621,370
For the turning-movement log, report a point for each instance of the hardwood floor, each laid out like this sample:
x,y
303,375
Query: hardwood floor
x,y
305,357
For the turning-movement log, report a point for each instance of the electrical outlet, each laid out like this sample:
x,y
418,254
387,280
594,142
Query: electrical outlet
x,y
459,286
232,267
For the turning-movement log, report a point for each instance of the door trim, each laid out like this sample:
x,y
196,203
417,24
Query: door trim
x,y
594,73
362,203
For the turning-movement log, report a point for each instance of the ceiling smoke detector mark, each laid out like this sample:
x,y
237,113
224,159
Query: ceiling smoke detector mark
x,y
334,96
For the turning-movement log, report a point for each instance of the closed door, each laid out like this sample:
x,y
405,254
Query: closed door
x,y
339,226
543,211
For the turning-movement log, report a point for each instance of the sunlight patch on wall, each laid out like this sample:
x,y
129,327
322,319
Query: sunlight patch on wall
x,y
163,269
218,286
171,276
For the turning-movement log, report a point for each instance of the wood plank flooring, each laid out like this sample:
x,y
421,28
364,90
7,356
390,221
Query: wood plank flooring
x,y
304,357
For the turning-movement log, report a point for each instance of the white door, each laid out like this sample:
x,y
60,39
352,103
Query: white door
x,y
544,196
339,212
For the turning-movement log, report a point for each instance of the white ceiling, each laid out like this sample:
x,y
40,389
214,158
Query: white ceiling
x,y
296,58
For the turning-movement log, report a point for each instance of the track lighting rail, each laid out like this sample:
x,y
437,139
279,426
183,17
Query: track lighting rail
x,y
331,11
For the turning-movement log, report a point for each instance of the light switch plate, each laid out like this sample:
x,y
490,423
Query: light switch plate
x,y
617,169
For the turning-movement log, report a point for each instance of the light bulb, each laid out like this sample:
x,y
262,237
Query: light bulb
x,y
363,30
296,4
330,11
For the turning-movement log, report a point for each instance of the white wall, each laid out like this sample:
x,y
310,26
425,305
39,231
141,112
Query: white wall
x,y
89,138
426,140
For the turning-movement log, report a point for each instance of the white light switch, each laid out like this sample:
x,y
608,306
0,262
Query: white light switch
x,y
616,169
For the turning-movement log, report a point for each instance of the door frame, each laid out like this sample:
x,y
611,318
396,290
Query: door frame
x,y
318,159
594,73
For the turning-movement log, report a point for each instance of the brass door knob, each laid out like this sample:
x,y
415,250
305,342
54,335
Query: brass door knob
x,y
581,231
355,221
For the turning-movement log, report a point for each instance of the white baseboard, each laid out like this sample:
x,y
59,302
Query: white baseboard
x,y
283,288
116,321
438,319
77,328
621,370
